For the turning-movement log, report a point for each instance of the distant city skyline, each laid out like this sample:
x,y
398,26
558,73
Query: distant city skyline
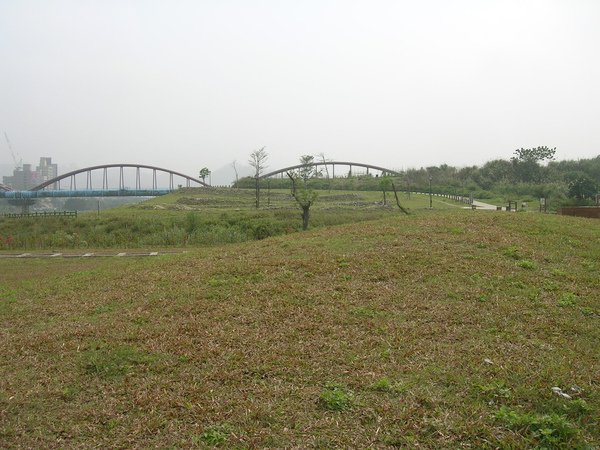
x,y
23,176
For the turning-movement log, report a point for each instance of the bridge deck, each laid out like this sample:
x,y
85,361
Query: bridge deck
x,y
85,193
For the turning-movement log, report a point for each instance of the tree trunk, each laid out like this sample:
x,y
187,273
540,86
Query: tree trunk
x,y
257,193
305,216
398,201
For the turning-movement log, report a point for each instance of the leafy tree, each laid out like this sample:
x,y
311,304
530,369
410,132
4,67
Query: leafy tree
x,y
526,163
496,171
308,170
204,172
304,197
258,160
581,186
536,154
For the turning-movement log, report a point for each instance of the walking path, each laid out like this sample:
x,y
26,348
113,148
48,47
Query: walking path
x,y
481,205
85,255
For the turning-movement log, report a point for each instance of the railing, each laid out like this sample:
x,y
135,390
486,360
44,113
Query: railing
x,y
40,214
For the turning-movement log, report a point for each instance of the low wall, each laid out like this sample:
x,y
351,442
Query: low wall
x,y
582,211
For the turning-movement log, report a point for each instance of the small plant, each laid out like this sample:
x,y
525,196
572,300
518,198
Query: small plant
x,y
214,436
526,264
512,252
577,407
548,430
586,311
495,392
114,362
387,385
343,263
550,286
567,300
367,312
335,397
192,222
559,273
69,393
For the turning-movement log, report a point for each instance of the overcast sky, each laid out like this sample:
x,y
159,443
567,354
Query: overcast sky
x,y
187,84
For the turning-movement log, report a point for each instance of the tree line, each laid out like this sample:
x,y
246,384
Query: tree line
x,y
530,172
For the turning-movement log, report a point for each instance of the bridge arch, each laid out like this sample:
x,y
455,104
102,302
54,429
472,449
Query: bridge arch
x,y
331,163
120,166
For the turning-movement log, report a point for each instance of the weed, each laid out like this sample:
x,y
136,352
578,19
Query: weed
x,y
526,264
343,263
559,273
387,385
577,407
386,354
548,430
495,392
335,397
192,222
213,436
512,252
69,393
568,299
587,311
114,362
550,286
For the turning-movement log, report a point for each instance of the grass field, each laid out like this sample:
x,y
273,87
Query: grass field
x,y
200,217
443,329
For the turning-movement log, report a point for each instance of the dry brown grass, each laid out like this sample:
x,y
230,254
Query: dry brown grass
x,y
236,345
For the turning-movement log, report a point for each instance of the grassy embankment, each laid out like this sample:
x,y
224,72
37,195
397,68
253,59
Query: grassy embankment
x,y
193,217
436,330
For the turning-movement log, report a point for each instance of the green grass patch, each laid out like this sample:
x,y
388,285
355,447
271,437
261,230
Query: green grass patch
x,y
109,362
540,430
336,397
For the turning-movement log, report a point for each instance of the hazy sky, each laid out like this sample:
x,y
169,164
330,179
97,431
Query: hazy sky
x,y
186,84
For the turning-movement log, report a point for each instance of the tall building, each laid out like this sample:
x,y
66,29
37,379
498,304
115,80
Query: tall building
x,y
24,178
46,171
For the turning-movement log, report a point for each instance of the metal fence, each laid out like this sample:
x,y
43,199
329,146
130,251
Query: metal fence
x,y
40,214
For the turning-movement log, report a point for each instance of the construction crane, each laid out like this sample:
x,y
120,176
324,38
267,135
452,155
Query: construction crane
x,y
18,163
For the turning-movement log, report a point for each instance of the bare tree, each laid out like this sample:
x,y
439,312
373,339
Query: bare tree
x,y
384,183
258,160
325,161
234,165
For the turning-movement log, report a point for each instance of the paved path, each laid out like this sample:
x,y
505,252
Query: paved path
x,y
86,255
486,206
